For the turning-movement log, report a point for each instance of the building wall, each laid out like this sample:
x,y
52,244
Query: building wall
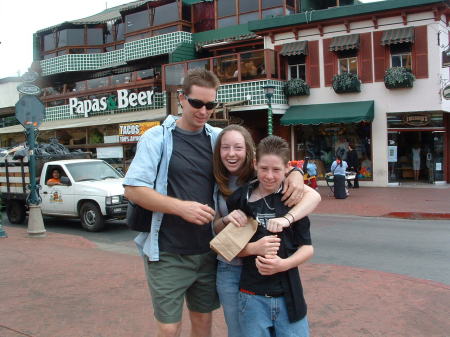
x,y
424,96
8,94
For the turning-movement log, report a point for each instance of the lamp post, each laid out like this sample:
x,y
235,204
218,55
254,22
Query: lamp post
x,y
269,90
30,112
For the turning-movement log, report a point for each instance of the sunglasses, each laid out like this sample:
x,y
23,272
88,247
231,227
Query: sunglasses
x,y
198,104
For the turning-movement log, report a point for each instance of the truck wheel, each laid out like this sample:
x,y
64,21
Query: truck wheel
x,y
15,210
91,217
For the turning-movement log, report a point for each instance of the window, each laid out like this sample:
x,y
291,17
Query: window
x,y
225,22
165,14
49,42
71,37
348,61
226,8
137,21
166,30
94,36
297,67
174,74
401,55
97,83
244,18
121,78
248,6
145,74
271,3
199,64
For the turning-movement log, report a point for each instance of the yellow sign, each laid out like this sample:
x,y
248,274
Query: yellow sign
x,y
131,132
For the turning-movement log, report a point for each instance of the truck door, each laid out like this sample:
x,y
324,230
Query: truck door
x,y
57,198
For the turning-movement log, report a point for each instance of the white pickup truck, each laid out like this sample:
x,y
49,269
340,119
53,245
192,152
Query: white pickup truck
x,y
89,189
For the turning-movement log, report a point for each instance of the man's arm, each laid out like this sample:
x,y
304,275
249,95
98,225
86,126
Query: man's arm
x,y
190,211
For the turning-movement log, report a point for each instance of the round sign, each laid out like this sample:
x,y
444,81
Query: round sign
x,y
28,89
446,92
30,111
30,76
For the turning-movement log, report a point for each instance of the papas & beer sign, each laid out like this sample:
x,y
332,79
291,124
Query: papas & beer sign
x,y
122,100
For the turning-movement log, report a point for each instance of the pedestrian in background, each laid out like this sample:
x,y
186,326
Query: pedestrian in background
x,y
353,164
338,170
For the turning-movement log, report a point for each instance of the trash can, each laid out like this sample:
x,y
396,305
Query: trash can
x,y
339,187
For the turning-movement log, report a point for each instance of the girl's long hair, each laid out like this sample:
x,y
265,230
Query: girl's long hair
x,y
246,173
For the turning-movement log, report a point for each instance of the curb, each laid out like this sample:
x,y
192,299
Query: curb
x,y
418,215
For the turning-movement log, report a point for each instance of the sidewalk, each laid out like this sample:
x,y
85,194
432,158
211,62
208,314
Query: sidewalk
x,y
405,202
64,286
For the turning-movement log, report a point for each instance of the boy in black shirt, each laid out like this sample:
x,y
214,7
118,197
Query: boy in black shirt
x,y
271,297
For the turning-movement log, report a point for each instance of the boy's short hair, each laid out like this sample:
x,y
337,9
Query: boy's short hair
x,y
273,145
200,77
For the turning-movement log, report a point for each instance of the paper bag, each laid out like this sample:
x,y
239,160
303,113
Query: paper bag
x,y
232,239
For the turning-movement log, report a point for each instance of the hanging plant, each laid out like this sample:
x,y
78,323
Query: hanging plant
x,y
346,82
296,87
398,77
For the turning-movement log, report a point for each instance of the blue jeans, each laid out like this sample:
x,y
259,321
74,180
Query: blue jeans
x,y
227,282
262,316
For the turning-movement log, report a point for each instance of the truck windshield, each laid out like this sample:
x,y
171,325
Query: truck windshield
x,y
95,170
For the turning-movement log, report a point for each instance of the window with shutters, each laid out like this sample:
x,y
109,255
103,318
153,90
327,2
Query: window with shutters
x,y
401,55
348,61
297,67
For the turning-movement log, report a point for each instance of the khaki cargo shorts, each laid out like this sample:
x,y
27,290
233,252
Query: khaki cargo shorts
x,y
175,277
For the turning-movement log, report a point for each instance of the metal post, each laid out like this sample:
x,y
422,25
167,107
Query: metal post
x,y
269,117
34,198
2,231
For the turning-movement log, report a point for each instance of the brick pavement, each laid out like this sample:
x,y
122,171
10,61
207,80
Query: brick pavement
x,y
64,286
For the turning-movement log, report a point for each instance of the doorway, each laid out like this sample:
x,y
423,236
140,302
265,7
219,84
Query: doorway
x,y
428,161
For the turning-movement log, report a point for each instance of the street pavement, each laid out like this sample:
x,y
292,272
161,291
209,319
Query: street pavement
x,y
67,286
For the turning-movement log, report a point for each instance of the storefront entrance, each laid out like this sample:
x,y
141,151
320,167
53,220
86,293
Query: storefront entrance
x,y
411,150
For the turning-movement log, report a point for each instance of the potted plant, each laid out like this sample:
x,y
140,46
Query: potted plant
x,y
398,77
346,82
296,87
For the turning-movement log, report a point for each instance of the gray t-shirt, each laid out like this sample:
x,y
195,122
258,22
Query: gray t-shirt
x,y
190,178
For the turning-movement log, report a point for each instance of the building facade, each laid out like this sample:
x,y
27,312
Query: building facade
x,y
109,77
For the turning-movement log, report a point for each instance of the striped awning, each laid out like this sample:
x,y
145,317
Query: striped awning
x,y
400,35
345,42
295,48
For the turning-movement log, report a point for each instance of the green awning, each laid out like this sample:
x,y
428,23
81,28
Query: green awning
x,y
400,35
314,114
295,48
345,42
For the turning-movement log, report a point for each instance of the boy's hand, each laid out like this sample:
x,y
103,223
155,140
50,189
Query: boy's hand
x,y
237,218
267,245
277,225
270,264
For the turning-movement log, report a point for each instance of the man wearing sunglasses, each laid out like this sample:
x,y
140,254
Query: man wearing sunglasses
x,y
171,174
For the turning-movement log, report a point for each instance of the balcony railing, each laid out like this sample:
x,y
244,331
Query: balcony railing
x,y
233,68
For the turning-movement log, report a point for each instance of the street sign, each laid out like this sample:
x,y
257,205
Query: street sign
x,y
29,89
30,111
30,76
446,92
